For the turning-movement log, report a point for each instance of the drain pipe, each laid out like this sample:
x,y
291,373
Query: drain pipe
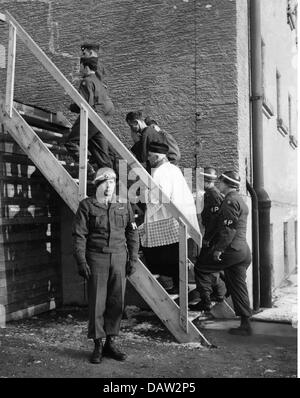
x,y
264,202
255,249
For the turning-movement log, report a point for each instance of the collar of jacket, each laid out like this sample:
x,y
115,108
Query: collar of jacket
x,y
231,193
113,203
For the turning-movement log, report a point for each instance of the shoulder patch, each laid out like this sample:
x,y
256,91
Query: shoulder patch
x,y
133,225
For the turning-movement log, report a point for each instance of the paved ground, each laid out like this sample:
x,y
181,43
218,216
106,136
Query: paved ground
x,y
55,345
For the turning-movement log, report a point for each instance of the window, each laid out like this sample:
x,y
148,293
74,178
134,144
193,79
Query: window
x,y
2,57
263,66
292,13
293,140
290,115
280,125
278,95
285,248
296,242
267,106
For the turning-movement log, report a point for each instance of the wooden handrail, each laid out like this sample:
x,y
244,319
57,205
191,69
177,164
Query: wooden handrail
x,y
183,276
11,60
83,145
101,125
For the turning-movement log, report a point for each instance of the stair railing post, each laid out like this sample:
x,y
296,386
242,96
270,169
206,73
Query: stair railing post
x,y
10,76
183,276
83,151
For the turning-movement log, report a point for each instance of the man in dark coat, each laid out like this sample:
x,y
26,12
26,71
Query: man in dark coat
x,y
208,284
95,93
144,134
231,252
105,246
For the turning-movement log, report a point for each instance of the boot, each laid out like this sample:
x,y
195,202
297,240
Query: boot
x,y
96,356
110,350
216,299
244,329
203,305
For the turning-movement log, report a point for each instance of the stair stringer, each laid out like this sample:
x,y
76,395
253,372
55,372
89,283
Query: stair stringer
x,y
164,306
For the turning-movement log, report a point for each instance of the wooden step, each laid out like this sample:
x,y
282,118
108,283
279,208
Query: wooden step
x,y
57,149
41,114
39,123
49,136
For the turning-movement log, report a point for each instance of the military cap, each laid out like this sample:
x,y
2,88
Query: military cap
x,y
209,174
158,147
90,46
103,174
231,178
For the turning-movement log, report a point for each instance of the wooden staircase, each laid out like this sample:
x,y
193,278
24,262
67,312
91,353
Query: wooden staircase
x,y
40,133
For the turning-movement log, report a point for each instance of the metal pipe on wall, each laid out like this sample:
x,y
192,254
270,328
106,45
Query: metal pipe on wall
x,y
264,202
255,248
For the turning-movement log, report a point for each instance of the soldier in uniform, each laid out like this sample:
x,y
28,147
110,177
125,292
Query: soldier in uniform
x,y
231,252
105,246
94,92
210,286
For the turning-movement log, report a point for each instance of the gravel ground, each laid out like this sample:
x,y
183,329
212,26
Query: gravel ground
x,y
54,345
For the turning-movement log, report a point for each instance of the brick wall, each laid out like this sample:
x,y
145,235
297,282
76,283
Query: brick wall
x,y
171,58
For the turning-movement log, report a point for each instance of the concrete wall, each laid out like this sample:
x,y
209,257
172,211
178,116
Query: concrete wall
x,y
280,157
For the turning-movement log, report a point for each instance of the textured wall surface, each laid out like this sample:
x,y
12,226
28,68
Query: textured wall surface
x,y
280,158
170,58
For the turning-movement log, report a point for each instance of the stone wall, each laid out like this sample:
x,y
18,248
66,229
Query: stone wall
x,y
171,58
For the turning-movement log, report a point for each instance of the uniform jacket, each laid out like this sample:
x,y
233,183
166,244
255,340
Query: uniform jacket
x,y
232,223
95,93
209,215
106,229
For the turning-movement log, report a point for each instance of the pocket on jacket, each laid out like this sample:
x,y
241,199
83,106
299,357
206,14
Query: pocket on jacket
x,y
97,221
121,218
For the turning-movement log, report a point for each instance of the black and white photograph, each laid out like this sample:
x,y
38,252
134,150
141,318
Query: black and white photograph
x,y
149,192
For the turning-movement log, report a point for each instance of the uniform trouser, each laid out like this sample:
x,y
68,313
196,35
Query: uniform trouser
x,y
106,288
208,283
235,264
98,146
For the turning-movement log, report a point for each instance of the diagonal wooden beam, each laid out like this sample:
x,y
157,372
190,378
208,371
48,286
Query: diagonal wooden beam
x,y
164,306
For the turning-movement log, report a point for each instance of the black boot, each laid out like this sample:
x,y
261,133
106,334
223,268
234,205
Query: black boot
x,y
96,356
244,329
203,305
110,350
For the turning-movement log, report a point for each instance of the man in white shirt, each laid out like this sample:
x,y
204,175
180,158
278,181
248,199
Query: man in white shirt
x,y
159,233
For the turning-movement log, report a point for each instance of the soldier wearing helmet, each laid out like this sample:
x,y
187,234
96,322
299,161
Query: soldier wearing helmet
x,y
105,246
